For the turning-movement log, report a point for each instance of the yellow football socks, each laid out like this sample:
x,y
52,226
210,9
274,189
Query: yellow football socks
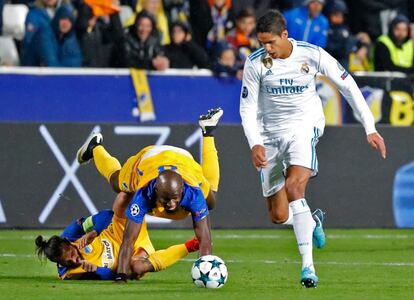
x,y
105,163
162,259
210,163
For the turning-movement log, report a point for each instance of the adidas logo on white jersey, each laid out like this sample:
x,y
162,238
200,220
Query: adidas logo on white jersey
x,y
269,72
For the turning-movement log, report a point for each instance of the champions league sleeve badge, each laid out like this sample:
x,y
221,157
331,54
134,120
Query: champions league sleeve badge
x,y
267,62
305,68
134,209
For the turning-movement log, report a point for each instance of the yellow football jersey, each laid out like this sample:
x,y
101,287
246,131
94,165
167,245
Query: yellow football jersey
x,y
104,250
150,161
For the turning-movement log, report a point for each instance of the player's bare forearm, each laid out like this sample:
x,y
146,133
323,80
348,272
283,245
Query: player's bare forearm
x,y
121,203
377,142
87,238
202,232
131,232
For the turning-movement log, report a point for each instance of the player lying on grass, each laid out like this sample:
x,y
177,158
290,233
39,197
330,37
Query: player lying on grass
x,y
163,181
89,248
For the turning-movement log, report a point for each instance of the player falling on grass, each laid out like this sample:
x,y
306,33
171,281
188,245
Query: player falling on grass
x,y
89,248
163,181
283,119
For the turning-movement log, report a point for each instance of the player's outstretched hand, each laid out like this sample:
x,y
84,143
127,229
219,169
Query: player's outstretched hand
x,y
259,156
88,267
377,142
87,238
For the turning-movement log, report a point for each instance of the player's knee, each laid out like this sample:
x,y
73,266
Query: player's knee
x,y
114,181
211,200
295,187
278,217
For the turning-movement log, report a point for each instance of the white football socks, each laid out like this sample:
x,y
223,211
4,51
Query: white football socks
x,y
303,225
289,221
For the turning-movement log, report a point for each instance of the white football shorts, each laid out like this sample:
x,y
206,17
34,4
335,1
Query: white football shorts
x,y
293,149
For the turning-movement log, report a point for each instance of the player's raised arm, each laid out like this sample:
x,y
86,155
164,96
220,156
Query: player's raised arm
x,y
88,228
330,67
202,232
131,233
249,108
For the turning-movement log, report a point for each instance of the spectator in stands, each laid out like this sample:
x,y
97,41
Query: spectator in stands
x,y
156,9
140,47
306,23
358,58
39,16
412,31
226,63
395,50
177,10
184,53
98,34
340,40
56,46
242,37
222,19
373,16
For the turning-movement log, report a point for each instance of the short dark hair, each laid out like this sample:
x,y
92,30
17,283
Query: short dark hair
x,y
272,21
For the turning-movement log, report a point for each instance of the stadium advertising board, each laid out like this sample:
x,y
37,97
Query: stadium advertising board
x,y
43,186
89,96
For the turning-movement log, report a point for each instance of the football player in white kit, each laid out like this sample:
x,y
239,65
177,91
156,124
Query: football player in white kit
x,y
283,119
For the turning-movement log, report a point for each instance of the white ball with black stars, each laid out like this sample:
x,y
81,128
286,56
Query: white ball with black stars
x,y
209,271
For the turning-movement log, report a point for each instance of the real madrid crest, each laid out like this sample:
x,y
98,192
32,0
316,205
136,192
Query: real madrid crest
x,y
305,68
267,62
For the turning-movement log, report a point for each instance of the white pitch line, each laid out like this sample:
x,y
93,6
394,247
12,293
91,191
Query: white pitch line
x,y
16,255
24,237
328,236
385,264
262,236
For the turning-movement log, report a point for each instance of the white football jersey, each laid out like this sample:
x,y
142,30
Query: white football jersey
x,y
279,95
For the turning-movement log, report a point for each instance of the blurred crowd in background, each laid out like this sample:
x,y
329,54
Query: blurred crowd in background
x,y
364,35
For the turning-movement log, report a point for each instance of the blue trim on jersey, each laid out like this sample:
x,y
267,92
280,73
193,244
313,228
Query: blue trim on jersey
x,y
101,220
143,202
61,270
74,230
306,45
105,273
256,56
313,150
257,53
314,161
194,202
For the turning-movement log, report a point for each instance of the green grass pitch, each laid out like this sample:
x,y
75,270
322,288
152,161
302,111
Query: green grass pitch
x,y
263,264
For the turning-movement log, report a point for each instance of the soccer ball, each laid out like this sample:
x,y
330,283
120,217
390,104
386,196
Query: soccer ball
x,y
209,271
